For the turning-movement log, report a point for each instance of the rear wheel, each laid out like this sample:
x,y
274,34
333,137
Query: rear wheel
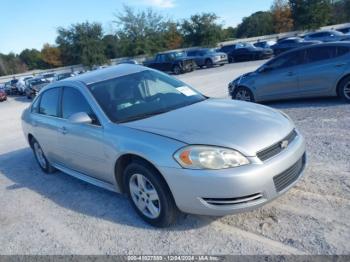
x,y
344,89
149,195
41,158
244,94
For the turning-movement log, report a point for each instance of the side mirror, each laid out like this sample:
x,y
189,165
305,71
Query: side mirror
x,y
80,118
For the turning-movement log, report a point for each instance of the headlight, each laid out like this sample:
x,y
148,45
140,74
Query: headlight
x,y
209,157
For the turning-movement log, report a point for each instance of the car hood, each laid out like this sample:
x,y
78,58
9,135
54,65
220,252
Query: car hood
x,y
246,127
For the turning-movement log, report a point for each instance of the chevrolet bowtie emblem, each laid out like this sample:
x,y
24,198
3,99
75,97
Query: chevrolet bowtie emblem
x,y
284,144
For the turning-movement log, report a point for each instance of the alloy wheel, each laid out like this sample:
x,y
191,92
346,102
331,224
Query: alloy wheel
x,y
39,155
243,95
144,196
347,90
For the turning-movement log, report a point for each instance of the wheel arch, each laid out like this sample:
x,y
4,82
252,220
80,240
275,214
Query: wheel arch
x,y
124,160
339,82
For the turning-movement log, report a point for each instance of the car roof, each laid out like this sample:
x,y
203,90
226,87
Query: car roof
x,y
111,72
343,43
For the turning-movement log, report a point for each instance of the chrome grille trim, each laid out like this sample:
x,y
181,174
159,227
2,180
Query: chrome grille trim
x,y
275,149
233,201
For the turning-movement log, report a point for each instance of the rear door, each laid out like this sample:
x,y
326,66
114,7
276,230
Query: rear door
x,y
45,120
323,67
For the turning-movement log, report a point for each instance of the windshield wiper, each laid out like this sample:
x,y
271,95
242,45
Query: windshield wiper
x,y
142,116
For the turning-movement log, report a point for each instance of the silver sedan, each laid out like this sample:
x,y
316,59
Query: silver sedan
x,y
312,71
137,131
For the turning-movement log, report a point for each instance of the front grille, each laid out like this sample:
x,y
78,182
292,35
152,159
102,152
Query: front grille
x,y
276,148
289,176
233,201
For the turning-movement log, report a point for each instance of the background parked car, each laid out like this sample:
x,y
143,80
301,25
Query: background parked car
x,y
326,36
344,30
287,44
172,61
312,71
3,95
62,76
21,84
245,52
49,76
264,44
35,86
207,57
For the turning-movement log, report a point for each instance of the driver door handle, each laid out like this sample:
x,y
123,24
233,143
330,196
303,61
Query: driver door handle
x,y
63,130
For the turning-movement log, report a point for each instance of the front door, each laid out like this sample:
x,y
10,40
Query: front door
x,y
82,145
281,80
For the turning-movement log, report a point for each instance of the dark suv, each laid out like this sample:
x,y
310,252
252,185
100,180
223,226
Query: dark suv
x,y
172,61
245,52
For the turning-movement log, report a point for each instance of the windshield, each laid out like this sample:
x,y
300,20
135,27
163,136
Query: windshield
x,y
141,95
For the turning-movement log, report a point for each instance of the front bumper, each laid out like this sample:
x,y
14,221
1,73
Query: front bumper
x,y
229,191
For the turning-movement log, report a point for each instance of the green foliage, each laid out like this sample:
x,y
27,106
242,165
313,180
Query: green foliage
x,y
202,30
11,64
32,58
141,32
310,14
111,45
82,43
258,24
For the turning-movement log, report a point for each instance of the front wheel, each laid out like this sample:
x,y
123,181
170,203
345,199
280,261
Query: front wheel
x,y
209,63
149,195
243,94
177,70
344,89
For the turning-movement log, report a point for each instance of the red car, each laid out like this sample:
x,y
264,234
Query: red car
x,y
3,96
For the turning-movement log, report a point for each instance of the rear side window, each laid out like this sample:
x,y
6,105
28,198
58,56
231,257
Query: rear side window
x,y
49,102
320,53
74,102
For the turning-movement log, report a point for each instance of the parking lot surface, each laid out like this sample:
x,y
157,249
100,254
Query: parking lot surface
x,y
58,214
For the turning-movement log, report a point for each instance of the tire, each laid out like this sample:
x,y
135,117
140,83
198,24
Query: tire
x,y
208,63
159,212
243,94
177,70
344,89
41,158
231,59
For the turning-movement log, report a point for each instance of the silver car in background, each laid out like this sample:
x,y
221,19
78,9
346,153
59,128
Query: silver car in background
x,y
313,71
207,57
138,131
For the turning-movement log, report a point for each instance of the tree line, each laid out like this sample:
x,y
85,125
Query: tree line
x,y
146,32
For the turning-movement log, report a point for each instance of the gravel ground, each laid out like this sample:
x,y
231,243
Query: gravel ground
x,y
57,214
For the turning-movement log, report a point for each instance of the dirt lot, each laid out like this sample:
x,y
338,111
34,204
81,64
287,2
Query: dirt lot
x,y
57,214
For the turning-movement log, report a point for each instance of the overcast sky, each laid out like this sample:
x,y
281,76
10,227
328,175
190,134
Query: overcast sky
x,y
31,23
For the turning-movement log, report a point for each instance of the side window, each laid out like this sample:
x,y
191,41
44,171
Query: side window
x,y
288,60
49,102
35,106
74,102
342,50
316,54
